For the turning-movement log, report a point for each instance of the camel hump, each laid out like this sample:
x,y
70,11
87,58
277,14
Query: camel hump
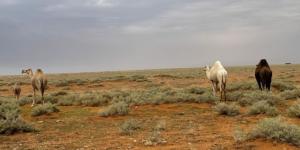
x,y
39,71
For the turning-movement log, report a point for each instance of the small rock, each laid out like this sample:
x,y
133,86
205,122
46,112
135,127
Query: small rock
x,y
40,121
134,141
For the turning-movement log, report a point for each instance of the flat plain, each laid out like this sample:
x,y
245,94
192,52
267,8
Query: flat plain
x,y
159,109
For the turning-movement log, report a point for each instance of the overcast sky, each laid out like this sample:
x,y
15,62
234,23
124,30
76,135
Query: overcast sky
x,y
100,35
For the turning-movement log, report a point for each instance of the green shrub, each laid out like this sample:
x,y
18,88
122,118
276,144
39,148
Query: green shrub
x,y
294,110
252,97
129,126
282,86
44,109
69,100
24,100
59,93
290,94
154,138
10,119
62,83
196,90
276,129
263,107
227,109
160,125
138,78
120,108
242,86
234,96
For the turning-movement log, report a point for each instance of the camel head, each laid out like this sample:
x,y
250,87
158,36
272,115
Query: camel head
x,y
27,72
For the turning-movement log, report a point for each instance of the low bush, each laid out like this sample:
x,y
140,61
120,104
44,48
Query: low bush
x,y
235,95
44,109
129,126
242,86
290,94
282,86
294,110
120,108
276,129
227,109
196,90
10,119
252,97
263,107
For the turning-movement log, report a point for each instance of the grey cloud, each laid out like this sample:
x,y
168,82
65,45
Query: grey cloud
x,y
95,35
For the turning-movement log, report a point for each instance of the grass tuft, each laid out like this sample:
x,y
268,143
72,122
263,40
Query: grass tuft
x,y
294,110
227,109
129,126
120,108
263,107
10,120
276,129
44,109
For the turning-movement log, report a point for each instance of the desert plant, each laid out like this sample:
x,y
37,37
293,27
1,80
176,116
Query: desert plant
x,y
160,125
263,107
282,86
59,93
239,135
129,126
252,97
227,109
276,129
120,108
10,119
196,90
294,110
24,100
44,109
290,94
242,86
154,138
235,95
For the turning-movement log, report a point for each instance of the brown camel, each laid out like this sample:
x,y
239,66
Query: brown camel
x,y
38,82
263,75
17,90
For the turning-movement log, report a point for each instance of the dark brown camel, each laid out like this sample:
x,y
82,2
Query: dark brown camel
x,y
263,75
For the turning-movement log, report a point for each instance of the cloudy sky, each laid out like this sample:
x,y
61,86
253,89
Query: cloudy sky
x,y
100,35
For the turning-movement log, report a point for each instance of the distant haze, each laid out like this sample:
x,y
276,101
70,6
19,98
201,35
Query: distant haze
x,y
100,35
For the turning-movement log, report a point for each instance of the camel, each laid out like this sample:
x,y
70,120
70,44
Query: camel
x,y
17,90
263,75
218,77
38,82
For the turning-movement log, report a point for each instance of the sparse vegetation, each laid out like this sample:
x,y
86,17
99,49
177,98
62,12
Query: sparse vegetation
x,y
44,109
252,97
276,129
120,108
154,139
282,86
290,94
242,86
129,126
10,119
227,109
263,107
294,110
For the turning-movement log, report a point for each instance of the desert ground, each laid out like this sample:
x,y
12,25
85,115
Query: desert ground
x,y
167,109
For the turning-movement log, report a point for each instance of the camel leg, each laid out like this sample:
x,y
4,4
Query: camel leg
x,y
214,88
221,89
42,92
33,102
224,90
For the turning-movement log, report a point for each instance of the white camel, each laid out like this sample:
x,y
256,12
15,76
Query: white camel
x,y
218,77
38,82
